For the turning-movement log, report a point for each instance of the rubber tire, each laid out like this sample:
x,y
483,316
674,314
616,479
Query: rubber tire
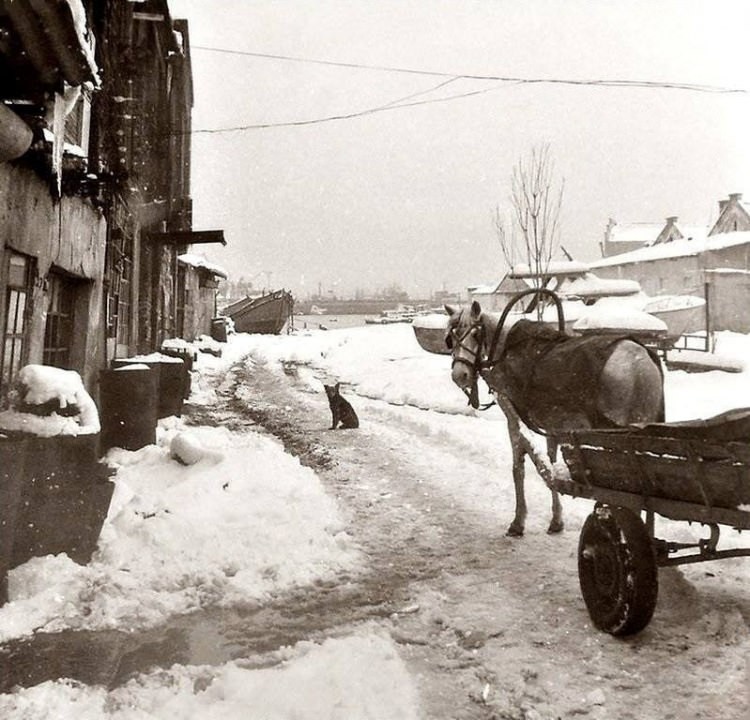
x,y
617,570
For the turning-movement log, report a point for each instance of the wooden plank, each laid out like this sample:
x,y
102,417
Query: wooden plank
x,y
671,509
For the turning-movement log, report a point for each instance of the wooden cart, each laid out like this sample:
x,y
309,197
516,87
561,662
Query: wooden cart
x,y
694,471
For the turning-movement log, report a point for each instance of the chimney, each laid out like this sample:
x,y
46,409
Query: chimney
x,y
736,197
672,220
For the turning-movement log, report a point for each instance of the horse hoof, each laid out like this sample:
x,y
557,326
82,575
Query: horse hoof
x,y
514,531
556,526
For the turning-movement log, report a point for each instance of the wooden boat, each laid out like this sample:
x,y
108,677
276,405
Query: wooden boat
x,y
430,331
682,313
266,314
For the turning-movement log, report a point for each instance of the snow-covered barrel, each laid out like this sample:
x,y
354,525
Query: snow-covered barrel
x,y
170,383
128,397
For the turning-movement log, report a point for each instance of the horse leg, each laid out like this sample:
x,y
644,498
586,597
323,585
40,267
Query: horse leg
x,y
556,524
519,454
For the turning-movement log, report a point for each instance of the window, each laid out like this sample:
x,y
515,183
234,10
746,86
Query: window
x,y
120,276
17,310
77,123
58,332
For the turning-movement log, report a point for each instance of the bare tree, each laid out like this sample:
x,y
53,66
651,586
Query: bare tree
x,y
533,231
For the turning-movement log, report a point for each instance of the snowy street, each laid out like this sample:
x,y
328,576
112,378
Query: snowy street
x,y
405,599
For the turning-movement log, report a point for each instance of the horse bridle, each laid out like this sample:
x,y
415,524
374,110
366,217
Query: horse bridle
x,y
482,363
477,361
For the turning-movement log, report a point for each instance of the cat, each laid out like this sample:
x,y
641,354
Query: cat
x,y
341,409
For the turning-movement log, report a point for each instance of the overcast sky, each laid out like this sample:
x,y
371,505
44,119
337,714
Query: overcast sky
x,y
406,195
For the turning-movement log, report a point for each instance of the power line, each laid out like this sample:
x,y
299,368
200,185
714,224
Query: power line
x,y
401,103
469,76
350,116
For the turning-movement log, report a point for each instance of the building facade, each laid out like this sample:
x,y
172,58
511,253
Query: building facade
x,y
95,207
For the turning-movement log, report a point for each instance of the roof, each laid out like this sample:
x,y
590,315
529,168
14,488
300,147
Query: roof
x,y
676,249
638,233
55,39
199,262
550,269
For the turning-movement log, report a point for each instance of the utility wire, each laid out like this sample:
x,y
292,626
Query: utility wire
x,y
402,102
502,78
349,116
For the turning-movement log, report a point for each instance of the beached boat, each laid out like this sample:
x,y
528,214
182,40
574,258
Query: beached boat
x,y
266,314
682,313
430,331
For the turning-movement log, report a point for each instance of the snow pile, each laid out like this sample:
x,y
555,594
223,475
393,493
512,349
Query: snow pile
x,y
619,320
187,449
177,344
154,357
199,261
41,384
246,526
358,678
590,285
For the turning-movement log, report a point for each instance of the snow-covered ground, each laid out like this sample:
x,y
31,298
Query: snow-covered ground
x,y
243,520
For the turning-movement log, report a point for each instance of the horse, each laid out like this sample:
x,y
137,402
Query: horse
x,y
623,387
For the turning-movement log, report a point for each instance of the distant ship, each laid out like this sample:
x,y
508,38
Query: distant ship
x,y
266,314
315,310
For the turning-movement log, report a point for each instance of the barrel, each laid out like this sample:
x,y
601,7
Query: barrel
x,y
128,401
187,355
219,329
170,381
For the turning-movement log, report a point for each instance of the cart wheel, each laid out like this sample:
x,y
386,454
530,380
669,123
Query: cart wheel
x,y
617,570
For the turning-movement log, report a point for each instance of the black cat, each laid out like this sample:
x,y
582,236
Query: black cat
x,y
341,409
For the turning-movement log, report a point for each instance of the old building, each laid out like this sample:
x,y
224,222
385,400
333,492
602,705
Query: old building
x,y
95,207
52,241
715,266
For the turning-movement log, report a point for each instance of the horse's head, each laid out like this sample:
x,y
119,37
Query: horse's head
x,y
466,339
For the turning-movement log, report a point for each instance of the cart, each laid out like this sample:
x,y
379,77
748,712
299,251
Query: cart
x,y
692,471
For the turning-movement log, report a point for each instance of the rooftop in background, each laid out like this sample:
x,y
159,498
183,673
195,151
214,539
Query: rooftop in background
x,y
676,248
734,215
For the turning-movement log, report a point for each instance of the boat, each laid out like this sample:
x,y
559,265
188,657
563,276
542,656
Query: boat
x,y
315,310
430,331
264,314
402,314
682,314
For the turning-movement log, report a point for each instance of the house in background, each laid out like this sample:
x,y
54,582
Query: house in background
x,y
715,267
620,239
201,283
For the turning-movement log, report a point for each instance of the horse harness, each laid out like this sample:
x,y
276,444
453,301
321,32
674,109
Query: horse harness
x,y
477,363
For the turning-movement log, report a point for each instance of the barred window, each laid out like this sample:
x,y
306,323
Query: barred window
x,y
18,272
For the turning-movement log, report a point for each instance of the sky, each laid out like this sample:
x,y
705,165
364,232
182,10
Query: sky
x,y
243,521
406,196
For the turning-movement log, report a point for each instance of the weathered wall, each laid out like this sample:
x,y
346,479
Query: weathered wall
x,y
69,234
199,306
729,297
668,276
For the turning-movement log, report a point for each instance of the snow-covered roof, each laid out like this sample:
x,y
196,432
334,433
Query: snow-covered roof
x,y
198,261
483,289
637,233
554,267
676,249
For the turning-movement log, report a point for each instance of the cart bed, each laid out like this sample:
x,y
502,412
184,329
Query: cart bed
x,y
685,471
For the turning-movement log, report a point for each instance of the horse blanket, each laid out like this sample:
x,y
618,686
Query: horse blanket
x,y
552,378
